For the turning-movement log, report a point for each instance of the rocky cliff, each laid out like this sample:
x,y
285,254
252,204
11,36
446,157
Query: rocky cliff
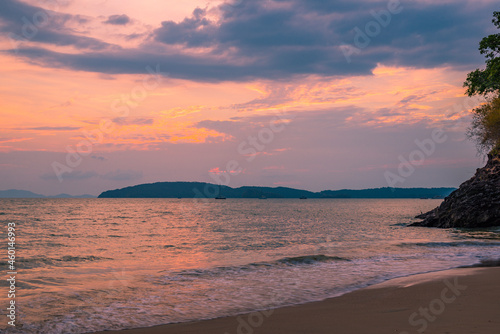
x,y
476,203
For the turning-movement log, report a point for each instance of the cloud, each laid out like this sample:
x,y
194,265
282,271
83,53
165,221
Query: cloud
x,y
412,98
118,20
201,31
53,128
99,158
25,23
277,39
232,128
133,121
13,140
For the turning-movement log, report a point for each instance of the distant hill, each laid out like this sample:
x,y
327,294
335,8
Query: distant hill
x,y
208,190
71,196
15,193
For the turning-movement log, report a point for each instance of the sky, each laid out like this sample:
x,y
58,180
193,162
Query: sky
x,y
311,94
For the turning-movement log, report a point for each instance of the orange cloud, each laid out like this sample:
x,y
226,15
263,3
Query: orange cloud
x,y
36,100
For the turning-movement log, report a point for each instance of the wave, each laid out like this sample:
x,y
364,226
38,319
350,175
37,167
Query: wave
x,y
310,259
450,244
285,262
485,263
34,262
488,234
400,224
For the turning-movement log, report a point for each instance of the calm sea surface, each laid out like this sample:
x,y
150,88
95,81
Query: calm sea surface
x,y
94,264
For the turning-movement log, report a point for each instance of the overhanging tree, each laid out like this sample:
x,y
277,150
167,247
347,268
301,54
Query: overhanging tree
x,y
483,82
485,127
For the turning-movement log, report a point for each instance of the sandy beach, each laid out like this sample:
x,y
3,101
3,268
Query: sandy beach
x,y
462,300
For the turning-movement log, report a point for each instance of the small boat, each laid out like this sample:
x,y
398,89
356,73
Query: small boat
x,y
220,193
302,197
262,197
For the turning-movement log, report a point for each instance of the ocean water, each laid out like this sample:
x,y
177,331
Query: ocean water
x,y
98,264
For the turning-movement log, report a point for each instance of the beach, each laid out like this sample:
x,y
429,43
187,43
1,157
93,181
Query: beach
x,y
462,300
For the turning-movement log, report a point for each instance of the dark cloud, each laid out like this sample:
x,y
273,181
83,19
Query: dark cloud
x,y
24,23
232,128
118,20
133,121
195,31
134,36
277,39
136,62
411,98
387,112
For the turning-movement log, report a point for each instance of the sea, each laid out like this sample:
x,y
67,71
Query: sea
x,y
85,265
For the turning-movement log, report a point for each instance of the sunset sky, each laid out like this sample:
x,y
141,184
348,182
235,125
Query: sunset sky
x,y
310,94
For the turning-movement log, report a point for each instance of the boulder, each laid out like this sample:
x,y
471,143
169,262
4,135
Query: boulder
x,y
476,203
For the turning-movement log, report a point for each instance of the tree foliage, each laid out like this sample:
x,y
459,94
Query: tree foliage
x,y
485,127
488,80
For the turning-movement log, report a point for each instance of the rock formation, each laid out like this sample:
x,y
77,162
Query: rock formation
x,y
476,203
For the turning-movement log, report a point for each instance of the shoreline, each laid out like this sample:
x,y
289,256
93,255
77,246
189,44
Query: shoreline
x,y
459,300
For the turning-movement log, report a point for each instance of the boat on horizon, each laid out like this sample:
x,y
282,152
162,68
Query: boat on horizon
x,y
220,193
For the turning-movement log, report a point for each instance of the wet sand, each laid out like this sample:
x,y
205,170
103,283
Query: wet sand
x,y
463,300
